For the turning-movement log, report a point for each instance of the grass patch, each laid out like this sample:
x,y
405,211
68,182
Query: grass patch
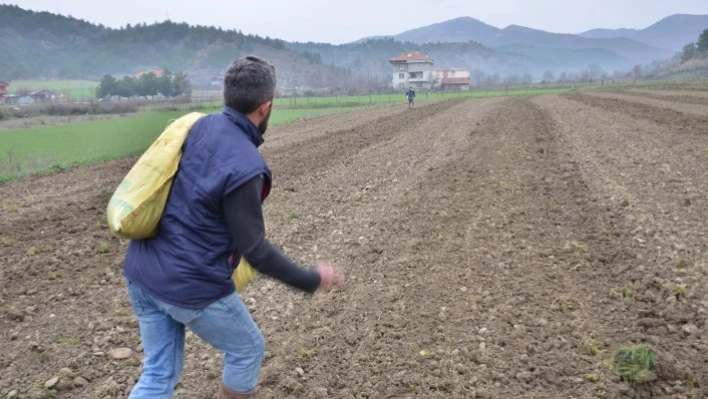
x,y
678,290
104,247
76,89
40,149
305,353
628,293
591,345
635,364
73,341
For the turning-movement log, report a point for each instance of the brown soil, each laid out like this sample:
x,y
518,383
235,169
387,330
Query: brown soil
x,y
690,118
497,248
673,96
685,106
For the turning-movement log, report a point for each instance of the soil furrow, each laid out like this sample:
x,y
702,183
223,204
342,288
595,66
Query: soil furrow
x,y
687,122
496,248
686,99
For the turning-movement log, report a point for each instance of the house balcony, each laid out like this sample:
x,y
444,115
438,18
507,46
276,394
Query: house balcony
x,y
419,80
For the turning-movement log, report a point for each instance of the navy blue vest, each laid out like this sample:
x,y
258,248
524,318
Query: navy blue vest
x,y
187,263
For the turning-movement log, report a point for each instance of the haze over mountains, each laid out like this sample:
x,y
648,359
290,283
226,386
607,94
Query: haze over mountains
x,y
46,45
670,33
615,46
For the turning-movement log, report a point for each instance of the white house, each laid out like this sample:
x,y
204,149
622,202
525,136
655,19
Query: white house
x,y
412,69
451,79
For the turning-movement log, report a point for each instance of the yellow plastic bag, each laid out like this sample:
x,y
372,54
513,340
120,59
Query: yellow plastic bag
x,y
245,273
136,207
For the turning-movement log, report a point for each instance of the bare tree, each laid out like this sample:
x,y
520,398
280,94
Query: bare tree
x,y
512,80
478,76
637,72
594,72
548,76
585,76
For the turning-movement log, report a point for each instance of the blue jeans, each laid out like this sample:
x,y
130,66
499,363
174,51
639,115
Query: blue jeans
x,y
225,324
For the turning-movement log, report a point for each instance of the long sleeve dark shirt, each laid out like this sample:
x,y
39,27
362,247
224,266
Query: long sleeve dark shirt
x,y
244,218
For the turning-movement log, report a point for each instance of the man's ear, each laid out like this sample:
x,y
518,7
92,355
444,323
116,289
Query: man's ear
x,y
264,109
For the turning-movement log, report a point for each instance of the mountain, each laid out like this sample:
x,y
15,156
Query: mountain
x,y
463,29
672,32
45,45
619,53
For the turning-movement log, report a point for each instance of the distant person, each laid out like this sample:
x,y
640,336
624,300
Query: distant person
x,y
411,97
182,277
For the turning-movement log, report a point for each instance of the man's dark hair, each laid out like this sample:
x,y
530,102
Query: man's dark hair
x,y
249,82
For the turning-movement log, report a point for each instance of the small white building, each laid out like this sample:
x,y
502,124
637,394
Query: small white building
x,y
451,79
412,69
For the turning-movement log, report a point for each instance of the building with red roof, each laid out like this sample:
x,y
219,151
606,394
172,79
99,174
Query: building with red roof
x,y
412,69
157,72
3,90
452,79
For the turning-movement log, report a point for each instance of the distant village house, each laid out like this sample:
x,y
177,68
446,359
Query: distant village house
x,y
155,71
452,79
412,69
3,90
41,96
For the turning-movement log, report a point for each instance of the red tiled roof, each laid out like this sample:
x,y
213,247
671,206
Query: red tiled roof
x,y
156,72
455,81
448,69
411,56
3,84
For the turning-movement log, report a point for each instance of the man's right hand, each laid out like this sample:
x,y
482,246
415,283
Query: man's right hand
x,y
329,276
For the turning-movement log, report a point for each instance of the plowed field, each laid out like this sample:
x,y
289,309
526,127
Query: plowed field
x,y
495,248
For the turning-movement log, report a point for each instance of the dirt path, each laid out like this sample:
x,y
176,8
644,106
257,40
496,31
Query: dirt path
x,y
678,94
688,97
496,248
672,115
699,108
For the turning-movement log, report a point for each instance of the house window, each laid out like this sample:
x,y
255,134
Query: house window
x,y
452,74
401,67
401,76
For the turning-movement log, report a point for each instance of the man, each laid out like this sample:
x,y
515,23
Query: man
x,y
411,97
181,278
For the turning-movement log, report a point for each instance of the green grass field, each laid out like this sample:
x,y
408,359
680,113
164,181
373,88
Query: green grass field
x,y
310,102
38,149
76,89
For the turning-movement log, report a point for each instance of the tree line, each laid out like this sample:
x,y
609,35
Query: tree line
x,y
148,84
698,49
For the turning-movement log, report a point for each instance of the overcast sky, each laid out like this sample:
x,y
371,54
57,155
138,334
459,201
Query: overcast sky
x,y
341,21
